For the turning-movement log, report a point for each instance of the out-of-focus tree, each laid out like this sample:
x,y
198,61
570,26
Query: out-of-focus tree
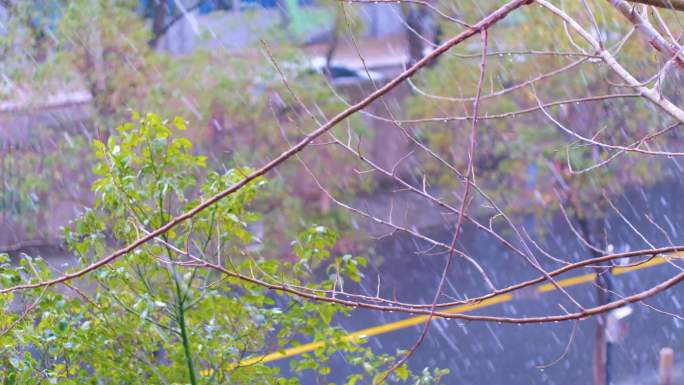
x,y
104,44
102,47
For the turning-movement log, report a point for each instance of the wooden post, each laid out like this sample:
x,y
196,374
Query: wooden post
x,y
665,372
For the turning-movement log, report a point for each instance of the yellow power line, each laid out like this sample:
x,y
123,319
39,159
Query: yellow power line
x,y
412,321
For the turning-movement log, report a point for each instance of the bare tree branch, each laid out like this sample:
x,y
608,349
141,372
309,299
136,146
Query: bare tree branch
x,y
644,26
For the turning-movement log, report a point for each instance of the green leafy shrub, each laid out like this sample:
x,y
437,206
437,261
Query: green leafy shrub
x,y
158,315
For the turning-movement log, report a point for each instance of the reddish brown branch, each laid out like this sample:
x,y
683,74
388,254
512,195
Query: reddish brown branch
x,y
667,4
469,179
447,314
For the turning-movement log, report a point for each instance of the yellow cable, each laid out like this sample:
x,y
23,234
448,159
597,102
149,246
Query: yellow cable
x,y
412,321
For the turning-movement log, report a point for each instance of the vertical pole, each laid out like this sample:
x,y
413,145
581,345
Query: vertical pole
x,y
602,347
3,183
608,287
665,370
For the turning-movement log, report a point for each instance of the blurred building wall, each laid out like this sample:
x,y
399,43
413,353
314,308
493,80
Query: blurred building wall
x,y
233,30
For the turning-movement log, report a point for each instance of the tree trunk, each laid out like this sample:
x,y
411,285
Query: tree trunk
x,y
334,42
414,15
601,367
158,21
284,14
422,30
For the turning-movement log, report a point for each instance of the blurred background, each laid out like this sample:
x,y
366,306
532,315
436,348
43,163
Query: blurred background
x,y
253,76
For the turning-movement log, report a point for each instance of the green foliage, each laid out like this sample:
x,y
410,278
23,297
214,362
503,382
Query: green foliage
x,y
156,315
